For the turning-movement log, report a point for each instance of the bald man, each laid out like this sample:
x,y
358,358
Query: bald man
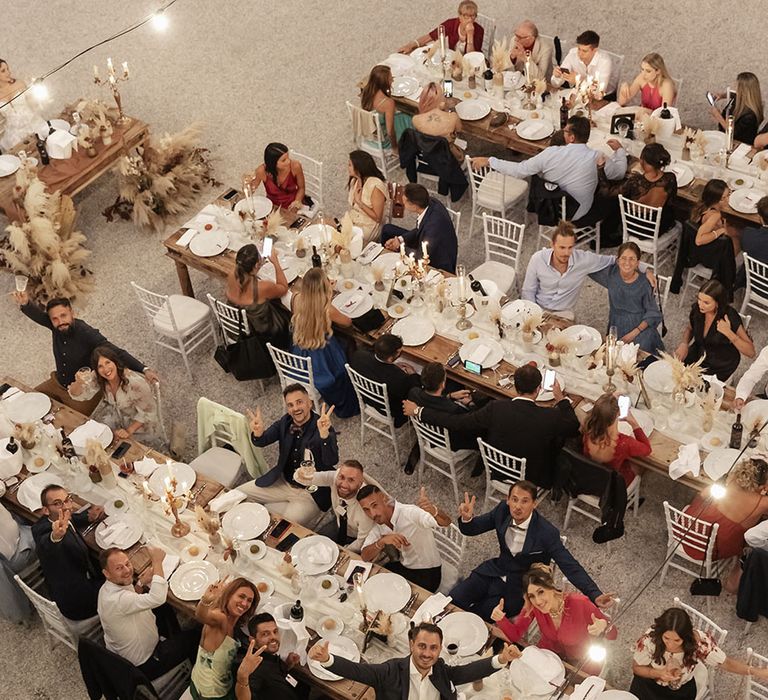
x,y
541,51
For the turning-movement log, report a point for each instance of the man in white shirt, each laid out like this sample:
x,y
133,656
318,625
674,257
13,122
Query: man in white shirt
x,y
750,378
130,627
407,528
17,552
586,60
352,524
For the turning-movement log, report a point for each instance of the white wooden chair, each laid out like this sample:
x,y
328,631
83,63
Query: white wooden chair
x,y
375,412
703,623
489,32
294,369
452,545
367,135
56,626
617,67
585,235
663,282
697,272
511,469
455,219
678,89
313,178
641,224
756,296
436,453
589,506
503,242
493,191
756,689
179,323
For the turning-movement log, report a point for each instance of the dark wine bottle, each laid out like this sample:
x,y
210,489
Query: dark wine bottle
x,y
665,113
737,430
67,448
297,612
316,260
11,447
476,286
45,159
563,114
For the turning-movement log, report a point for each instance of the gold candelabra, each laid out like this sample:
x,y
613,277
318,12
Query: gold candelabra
x,y
112,80
174,502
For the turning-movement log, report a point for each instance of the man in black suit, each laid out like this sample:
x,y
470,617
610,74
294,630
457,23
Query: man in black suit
x,y
434,230
525,538
299,432
72,577
403,678
517,426
754,242
381,366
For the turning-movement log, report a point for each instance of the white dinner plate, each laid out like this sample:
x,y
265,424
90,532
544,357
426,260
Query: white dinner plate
x,y
753,415
79,437
246,521
473,110
399,310
116,505
494,355
264,585
60,124
420,54
585,338
31,488
740,181
190,580
207,244
314,233
466,629
682,172
347,285
353,304
335,629
314,554
658,376
719,461
745,200
534,129
404,86
399,63
714,440
128,537
326,586
290,267
548,395
27,407
9,164
185,478
644,420
714,141
338,646
414,331
387,592
518,310
261,207
386,261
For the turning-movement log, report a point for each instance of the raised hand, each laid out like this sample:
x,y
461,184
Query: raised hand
x,y
597,626
509,654
605,600
60,525
22,298
467,508
255,421
251,661
319,652
724,326
324,421
212,593
396,540
498,612
151,376
157,556
423,501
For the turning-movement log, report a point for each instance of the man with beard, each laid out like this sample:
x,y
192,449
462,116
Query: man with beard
x,y
73,342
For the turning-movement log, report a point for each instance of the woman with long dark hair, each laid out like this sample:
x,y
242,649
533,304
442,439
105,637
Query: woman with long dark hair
x,y
376,96
717,332
283,177
367,194
666,655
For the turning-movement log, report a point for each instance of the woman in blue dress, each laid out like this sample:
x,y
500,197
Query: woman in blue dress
x,y
313,316
633,307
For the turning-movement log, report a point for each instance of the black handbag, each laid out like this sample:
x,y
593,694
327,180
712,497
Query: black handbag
x,y
706,586
247,358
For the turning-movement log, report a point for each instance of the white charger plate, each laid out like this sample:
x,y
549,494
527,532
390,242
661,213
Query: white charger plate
x,y
185,478
31,488
290,267
391,592
266,581
104,437
682,172
719,461
353,304
338,646
644,420
419,55
473,110
200,554
714,141
587,339
753,415
246,521
745,200
9,164
399,64
128,539
466,629
658,376
534,129
27,407
207,244
386,261
260,206
113,506
414,331
721,439
404,86
495,351
300,553
190,580
518,310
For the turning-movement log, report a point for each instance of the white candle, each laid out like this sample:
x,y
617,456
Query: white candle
x,y
95,71
462,287
110,67
167,483
145,486
527,68
402,249
111,79
125,68
442,43
423,249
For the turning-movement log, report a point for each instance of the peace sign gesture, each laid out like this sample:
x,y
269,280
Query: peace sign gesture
x,y
324,421
251,661
212,593
467,507
255,421
60,525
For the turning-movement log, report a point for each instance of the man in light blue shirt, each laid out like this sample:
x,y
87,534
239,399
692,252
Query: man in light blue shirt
x,y
572,167
555,275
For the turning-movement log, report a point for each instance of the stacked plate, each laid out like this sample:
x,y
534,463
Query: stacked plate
x,y
404,86
338,646
91,430
122,531
683,173
534,129
658,376
315,554
354,303
27,407
484,351
465,629
518,310
472,110
745,200
190,580
260,207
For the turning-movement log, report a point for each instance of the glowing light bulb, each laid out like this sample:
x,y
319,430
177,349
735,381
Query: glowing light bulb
x,y
39,90
597,653
160,21
717,491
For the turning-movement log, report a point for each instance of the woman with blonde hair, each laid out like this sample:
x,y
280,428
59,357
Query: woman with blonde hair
x,y
568,621
747,109
376,96
653,82
604,443
433,120
313,316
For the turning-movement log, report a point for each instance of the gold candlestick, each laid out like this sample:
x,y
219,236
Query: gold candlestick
x,y
112,80
178,529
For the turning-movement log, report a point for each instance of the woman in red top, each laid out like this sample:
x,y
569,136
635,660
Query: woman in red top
x,y
462,33
567,621
605,444
283,178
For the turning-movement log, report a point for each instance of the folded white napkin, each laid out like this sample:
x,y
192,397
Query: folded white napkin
x,y
432,606
116,534
479,354
170,563
225,501
294,639
589,689
90,430
688,460
186,238
320,554
628,353
145,467
12,393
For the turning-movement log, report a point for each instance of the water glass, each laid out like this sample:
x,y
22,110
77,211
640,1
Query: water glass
x,y
21,283
623,130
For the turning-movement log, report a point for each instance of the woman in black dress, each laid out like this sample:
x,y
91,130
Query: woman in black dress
x,y
717,332
747,109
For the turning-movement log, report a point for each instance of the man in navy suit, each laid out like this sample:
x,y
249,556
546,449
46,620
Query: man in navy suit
x,y
754,241
433,227
525,538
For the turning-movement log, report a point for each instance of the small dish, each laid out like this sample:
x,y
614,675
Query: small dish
x,y
254,549
264,586
37,464
327,586
115,506
328,627
193,552
399,310
347,285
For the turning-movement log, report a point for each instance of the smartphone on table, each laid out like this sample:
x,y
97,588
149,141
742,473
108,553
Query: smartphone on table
x,y
473,367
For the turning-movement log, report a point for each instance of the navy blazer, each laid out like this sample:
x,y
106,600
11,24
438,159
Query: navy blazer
x,y
436,228
542,544
325,452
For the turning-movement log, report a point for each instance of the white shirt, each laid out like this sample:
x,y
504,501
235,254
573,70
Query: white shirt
x,y
9,533
421,688
516,534
600,67
420,217
416,526
130,629
752,376
757,536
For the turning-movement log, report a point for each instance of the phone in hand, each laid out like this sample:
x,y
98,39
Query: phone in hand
x,y
711,98
267,250
549,379
624,403
448,88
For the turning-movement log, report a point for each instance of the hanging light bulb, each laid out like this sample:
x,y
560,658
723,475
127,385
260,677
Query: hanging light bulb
x,y
160,21
39,90
597,653
717,490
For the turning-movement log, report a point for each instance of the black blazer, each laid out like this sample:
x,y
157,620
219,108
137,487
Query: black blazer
x,y
72,577
436,228
325,452
459,441
542,545
520,428
398,382
436,153
391,681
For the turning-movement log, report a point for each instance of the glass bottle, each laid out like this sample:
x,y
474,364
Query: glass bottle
x,y
737,430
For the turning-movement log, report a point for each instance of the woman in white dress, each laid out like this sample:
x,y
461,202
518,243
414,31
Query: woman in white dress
x,y
17,119
367,195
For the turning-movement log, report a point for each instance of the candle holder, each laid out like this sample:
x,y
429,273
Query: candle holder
x,y
528,102
610,362
463,323
174,502
112,80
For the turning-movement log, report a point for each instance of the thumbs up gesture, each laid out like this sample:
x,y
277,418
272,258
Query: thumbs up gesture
x,y
498,612
597,627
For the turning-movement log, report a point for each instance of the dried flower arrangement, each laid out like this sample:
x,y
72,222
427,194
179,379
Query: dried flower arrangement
x,y
685,377
558,342
531,322
500,51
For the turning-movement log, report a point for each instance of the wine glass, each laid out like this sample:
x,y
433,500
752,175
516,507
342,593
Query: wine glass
x,y
623,130
452,648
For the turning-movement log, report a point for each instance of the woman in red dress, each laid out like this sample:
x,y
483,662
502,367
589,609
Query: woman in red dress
x,y
283,177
